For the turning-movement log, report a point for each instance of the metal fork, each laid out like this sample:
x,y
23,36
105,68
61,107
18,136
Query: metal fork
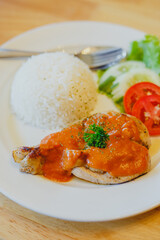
x,y
97,57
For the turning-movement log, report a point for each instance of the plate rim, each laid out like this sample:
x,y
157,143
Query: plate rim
x,y
67,22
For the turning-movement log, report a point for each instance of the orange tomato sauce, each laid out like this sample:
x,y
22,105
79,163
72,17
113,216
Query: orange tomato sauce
x,y
123,155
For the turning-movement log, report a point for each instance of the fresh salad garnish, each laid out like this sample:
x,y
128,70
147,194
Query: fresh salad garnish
x,y
126,80
147,51
137,91
108,77
138,77
147,109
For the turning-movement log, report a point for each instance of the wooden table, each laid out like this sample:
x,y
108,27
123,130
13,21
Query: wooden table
x,y
17,16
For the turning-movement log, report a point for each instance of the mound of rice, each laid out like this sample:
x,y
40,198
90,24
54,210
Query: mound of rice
x,y
53,90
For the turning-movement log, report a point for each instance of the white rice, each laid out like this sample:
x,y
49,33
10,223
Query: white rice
x,y
53,90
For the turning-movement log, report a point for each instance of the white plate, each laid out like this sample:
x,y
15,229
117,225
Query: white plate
x,y
76,200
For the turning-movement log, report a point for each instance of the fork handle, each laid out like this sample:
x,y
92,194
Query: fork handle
x,y
10,53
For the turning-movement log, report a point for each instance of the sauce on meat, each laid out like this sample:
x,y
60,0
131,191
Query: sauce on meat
x,y
123,155
53,148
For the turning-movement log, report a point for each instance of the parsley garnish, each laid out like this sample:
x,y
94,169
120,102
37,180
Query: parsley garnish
x,y
96,138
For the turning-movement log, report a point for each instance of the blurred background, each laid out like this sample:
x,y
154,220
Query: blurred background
x,y
17,16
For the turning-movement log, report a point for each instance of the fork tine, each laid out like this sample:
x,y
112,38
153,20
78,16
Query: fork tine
x,y
108,58
102,59
104,55
107,51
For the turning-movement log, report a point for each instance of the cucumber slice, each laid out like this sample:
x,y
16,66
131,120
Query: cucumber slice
x,y
126,80
106,86
119,69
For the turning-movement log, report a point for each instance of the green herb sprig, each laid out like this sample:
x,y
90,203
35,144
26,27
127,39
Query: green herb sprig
x,y
96,138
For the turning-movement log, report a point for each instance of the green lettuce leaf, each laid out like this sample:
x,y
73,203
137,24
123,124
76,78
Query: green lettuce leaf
x,y
148,51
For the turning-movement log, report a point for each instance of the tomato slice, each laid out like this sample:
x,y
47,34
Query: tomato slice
x,y
137,91
147,109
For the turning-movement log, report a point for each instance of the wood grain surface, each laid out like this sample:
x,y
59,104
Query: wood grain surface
x,y
17,16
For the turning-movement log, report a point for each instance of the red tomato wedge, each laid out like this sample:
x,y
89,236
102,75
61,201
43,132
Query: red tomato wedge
x,y
147,109
137,91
